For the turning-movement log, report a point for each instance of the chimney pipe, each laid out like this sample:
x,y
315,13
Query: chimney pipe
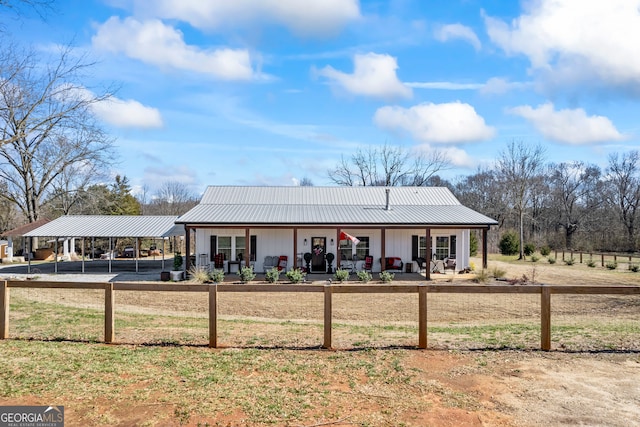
x,y
388,190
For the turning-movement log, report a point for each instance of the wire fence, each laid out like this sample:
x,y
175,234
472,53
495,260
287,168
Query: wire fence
x,y
573,318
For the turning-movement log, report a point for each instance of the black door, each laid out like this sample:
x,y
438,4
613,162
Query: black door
x,y
318,246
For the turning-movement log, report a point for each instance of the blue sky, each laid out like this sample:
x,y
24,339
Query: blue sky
x,y
266,92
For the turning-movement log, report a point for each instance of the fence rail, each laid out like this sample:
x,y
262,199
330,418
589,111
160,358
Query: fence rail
x,y
423,290
630,259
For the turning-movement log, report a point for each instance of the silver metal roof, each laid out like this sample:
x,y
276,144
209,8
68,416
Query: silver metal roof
x,y
331,205
109,226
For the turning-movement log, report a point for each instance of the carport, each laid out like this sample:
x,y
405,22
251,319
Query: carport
x,y
108,227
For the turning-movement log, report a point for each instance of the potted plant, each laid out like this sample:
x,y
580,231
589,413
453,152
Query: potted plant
x,y
177,273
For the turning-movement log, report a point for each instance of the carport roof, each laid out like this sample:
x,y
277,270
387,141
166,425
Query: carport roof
x,y
109,226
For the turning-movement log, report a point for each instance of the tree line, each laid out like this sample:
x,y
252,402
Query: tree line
x,y
568,205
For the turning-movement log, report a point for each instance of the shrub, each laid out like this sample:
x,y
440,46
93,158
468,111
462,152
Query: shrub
x,y
472,266
217,275
386,277
246,274
295,276
509,243
529,249
364,276
481,277
570,261
551,260
535,258
611,265
634,267
199,274
497,272
177,262
545,250
341,275
473,244
272,275
591,263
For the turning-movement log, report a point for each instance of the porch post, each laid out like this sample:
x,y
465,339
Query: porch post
x,y
484,248
428,254
383,243
187,243
247,247
295,247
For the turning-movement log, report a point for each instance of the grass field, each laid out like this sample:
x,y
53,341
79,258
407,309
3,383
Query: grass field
x,y
271,370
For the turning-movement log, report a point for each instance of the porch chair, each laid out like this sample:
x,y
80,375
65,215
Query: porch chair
x,y
393,264
269,262
282,263
368,263
218,261
422,264
450,264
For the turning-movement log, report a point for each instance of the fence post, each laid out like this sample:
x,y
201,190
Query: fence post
x,y
602,256
109,320
327,315
213,315
422,316
545,317
4,310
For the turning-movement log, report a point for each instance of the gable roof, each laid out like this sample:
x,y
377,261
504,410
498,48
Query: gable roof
x,y
109,226
20,231
236,205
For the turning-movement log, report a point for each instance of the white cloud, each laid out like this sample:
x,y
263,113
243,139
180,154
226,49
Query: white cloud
x,y
316,18
499,86
155,43
445,85
373,75
118,112
452,122
569,126
449,32
127,114
576,41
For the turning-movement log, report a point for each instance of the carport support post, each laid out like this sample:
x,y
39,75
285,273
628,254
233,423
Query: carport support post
x,y
213,315
110,253
55,256
327,315
545,317
82,254
109,325
422,316
4,310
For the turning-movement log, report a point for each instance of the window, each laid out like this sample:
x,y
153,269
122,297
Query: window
x,y
345,249
224,246
445,247
240,247
362,248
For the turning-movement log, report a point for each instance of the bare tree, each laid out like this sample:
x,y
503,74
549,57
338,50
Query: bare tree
x,y
173,198
386,166
517,166
623,182
306,182
574,188
46,128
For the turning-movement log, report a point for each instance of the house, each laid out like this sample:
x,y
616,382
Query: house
x,y
250,225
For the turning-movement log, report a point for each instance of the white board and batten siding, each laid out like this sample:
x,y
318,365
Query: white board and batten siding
x,y
276,242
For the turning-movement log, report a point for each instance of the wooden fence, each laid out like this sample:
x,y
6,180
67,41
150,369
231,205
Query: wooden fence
x,y
630,259
422,290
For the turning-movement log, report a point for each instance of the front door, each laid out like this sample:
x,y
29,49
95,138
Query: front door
x,y
318,246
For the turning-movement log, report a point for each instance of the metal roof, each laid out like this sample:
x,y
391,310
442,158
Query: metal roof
x,y
228,205
109,226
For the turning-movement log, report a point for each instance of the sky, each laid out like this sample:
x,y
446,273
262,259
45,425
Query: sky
x,y
268,92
